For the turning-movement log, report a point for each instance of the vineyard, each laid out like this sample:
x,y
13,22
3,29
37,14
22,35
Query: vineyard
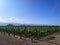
x,y
30,31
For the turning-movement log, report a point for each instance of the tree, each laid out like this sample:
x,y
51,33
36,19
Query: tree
x,y
10,25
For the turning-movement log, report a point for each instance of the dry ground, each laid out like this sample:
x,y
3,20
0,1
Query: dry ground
x,y
53,39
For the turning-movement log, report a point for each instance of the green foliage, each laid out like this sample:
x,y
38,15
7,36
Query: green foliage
x,y
30,30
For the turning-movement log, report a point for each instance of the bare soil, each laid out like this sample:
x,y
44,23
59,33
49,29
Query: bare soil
x,y
53,39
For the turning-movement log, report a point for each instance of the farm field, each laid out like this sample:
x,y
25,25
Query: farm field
x,y
30,35
8,40
30,31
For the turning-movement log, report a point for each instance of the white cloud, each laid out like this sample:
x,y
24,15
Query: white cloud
x,y
2,19
19,20
15,20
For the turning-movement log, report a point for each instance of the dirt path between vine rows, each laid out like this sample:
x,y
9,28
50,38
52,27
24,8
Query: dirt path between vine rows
x,y
53,39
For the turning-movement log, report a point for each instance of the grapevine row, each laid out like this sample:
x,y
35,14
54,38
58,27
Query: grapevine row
x,y
30,31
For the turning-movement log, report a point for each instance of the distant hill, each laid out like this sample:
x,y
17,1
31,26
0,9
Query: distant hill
x,y
19,24
4,24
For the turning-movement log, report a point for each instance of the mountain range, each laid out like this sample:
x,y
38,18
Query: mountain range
x,y
19,24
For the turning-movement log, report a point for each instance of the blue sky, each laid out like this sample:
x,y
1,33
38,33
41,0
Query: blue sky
x,y
30,11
